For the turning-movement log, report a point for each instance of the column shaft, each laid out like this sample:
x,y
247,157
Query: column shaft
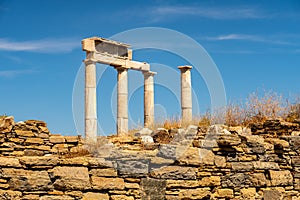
x,y
122,104
148,99
90,101
186,94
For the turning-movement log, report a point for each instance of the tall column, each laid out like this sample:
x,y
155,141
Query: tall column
x,y
122,104
148,99
186,94
90,101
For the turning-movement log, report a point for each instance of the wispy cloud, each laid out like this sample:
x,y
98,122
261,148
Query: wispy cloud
x,y
14,73
43,46
280,40
221,13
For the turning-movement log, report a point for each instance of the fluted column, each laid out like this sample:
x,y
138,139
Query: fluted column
x,y
122,103
90,101
186,94
148,99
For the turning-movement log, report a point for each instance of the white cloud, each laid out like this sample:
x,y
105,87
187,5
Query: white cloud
x,y
280,40
43,46
221,13
13,73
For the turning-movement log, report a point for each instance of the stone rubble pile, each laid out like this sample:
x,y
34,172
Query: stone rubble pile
x,y
217,162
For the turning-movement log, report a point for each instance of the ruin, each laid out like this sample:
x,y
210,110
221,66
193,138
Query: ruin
x,y
119,56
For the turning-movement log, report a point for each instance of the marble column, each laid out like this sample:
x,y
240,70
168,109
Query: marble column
x,y
122,102
148,99
186,94
90,101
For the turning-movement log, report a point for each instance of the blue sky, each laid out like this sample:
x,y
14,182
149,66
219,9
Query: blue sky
x,y
255,44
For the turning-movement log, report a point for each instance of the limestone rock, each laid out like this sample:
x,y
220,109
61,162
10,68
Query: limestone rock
x,y
56,197
248,193
138,168
57,139
152,188
71,178
39,160
175,172
258,179
228,140
6,124
272,195
199,193
121,197
10,195
106,172
27,180
242,166
9,162
101,183
196,156
281,178
95,196
224,193
265,165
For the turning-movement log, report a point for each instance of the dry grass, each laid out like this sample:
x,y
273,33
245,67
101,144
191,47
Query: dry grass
x,y
258,107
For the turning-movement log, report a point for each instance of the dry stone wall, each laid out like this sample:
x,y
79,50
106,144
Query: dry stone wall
x,y
218,162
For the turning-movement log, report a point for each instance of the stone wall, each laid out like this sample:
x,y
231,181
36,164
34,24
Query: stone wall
x,y
217,162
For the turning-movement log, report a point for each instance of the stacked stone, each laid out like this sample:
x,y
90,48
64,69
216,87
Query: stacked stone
x,y
32,138
217,162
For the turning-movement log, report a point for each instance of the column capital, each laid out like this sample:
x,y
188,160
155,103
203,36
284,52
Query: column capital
x,y
121,68
185,67
149,73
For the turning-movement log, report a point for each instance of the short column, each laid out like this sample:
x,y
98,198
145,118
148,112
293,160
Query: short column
x,y
186,94
122,103
148,99
90,101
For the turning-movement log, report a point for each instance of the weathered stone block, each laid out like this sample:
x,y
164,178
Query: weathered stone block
x,y
248,193
281,178
272,195
121,197
39,161
196,156
224,193
27,180
100,183
9,162
152,188
242,166
29,141
199,193
265,165
71,178
56,139
137,168
258,180
175,172
9,195
108,172
228,140
56,197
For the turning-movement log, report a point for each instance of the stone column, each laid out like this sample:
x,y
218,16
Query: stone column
x,y
148,99
186,94
122,103
90,101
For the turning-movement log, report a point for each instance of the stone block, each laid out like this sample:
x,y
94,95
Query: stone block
x,y
265,165
106,172
152,188
248,193
101,183
137,168
272,195
95,196
70,178
9,162
196,156
174,172
242,166
228,140
56,139
10,195
27,180
224,193
39,160
198,193
281,178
